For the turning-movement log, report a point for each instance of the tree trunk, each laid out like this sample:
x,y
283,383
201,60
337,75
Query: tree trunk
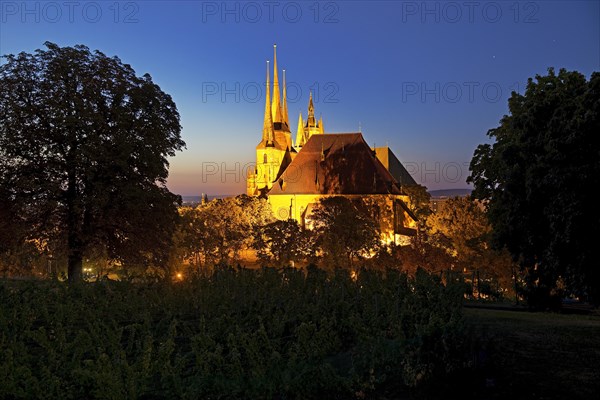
x,y
514,271
75,266
478,287
74,242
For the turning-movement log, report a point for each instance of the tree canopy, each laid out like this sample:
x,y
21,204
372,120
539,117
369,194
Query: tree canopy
x,y
419,200
345,229
216,232
461,227
538,178
282,242
83,155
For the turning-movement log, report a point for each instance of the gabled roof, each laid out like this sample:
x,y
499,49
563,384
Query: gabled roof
x,y
341,163
391,162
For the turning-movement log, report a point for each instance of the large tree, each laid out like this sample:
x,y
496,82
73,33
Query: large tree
x,y
282,242
462,228
345,229
83,154
218,231
538,178
419,200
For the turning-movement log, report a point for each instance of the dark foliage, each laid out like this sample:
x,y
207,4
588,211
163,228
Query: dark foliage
x,y
235,334
345,229
539,179
83,155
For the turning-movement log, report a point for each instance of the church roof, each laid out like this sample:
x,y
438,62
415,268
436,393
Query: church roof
x,y
392,164
340,163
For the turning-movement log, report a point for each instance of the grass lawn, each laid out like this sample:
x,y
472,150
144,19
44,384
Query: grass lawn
x,y
527,355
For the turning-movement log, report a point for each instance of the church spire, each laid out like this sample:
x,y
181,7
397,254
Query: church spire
x,y
267,135
285,117
276,104
300,132
311,113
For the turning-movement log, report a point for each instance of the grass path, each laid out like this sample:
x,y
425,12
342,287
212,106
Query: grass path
x,y
528,355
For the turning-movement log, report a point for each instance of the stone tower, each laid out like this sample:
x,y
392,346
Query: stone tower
x,y
275,151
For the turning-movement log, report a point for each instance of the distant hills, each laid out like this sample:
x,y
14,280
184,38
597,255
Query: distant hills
x,y
450,193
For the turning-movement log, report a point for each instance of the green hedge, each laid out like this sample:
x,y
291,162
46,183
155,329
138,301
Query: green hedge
x,y
236,334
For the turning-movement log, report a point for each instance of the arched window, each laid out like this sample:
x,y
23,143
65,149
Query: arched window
x,y
264,158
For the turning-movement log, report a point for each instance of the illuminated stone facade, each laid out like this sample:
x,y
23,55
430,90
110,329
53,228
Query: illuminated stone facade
x,y
296,176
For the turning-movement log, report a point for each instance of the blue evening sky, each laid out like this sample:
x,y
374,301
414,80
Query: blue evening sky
x,y
427,78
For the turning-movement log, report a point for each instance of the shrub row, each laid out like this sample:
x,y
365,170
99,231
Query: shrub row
x,y
235,334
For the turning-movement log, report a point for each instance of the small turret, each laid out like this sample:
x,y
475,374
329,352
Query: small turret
x,y
310,121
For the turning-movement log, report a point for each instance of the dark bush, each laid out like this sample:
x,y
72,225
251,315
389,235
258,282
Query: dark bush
x,y
236,334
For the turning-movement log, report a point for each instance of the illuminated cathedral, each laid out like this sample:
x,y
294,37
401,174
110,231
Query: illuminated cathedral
x,y
295,174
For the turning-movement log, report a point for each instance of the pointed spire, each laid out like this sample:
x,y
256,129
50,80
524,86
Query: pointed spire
x,y
311,112
276,103
285,110
300,132
267,135
321,129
